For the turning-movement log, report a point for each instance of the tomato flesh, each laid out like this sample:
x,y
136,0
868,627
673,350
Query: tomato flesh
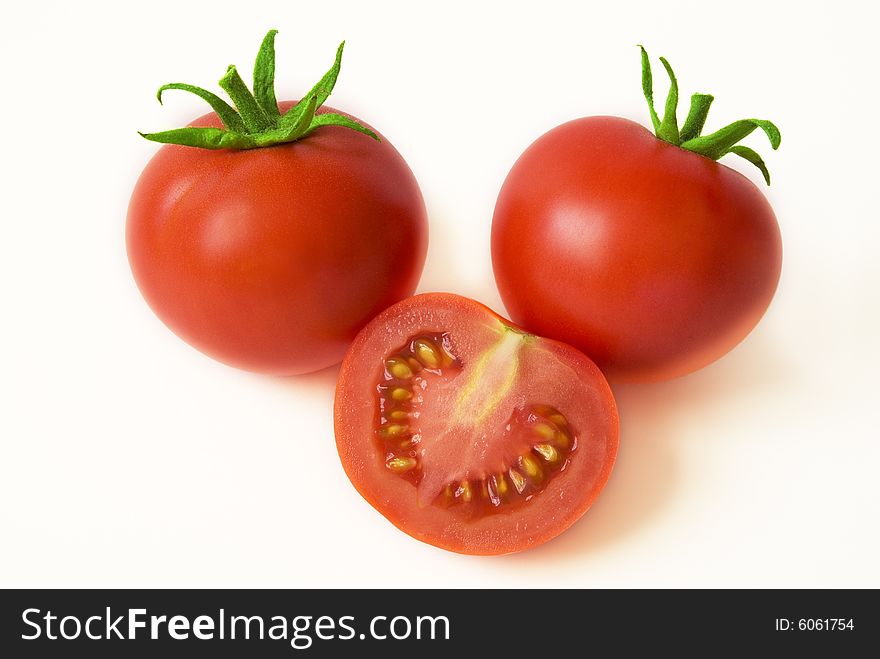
x,y
467,432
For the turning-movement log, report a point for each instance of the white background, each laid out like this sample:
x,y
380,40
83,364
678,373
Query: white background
x,y
129,459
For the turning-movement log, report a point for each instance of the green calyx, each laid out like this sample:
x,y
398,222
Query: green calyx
x,y
689,137
254,120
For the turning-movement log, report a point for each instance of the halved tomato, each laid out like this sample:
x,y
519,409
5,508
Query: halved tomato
x,y
468,433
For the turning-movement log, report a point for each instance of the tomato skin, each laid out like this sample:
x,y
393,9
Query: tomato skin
x,y
566,498
272,259
653,260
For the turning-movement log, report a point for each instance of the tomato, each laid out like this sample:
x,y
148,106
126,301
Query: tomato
x,y
272,259
652,259
467,432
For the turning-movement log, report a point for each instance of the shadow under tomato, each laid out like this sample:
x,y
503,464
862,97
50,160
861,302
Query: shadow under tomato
x,y
653,419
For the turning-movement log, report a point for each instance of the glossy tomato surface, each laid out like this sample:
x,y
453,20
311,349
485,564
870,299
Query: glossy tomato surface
x,y
468,433
653,260
272,259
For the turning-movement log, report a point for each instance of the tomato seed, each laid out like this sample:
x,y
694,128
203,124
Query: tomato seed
x,y
427,353
394,430
547,452
399,368
531,467
545,430
399,393
401,465
517,479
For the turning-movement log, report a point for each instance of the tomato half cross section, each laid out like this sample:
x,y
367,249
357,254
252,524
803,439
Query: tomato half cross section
x,y
468,433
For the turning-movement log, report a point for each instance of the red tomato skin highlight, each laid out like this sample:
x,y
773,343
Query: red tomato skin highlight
x,y
653,260
565,500
272,259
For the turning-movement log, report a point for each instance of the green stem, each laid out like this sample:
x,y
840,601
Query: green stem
x,y
718,143
648,89
669,125
696,119
752,157
227,114
321,90
713,146
264,78
333,119
203,138
298,128
256,121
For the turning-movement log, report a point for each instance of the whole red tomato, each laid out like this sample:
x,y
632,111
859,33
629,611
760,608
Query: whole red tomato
x,y
270,255
638,249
